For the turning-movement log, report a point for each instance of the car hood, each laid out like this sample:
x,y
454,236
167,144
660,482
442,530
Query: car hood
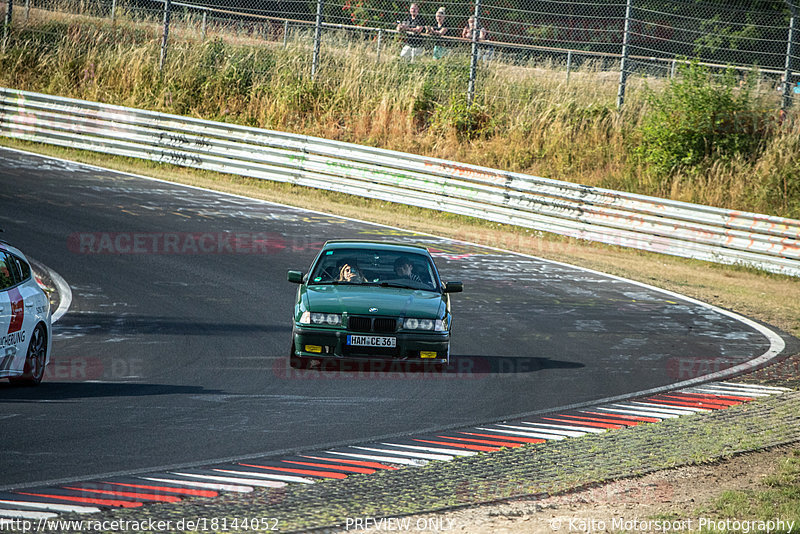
x,y
358,300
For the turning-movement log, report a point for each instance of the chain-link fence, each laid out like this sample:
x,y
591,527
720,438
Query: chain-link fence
x,y
623,37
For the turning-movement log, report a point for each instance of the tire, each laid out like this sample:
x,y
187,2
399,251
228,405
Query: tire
x,y
35,359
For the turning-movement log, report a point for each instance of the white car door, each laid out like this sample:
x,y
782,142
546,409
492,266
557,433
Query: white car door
x,y
31,306
8,349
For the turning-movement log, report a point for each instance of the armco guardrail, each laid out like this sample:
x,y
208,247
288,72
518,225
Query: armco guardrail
x,y
647,223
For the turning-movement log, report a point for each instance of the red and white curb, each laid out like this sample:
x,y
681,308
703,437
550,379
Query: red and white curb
x,y
271,472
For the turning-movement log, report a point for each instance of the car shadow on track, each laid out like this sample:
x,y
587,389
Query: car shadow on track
x,y
53,392
130,325
460,366
506,364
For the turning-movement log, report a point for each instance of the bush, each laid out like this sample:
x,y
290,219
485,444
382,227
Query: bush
x,y
699,117
466,121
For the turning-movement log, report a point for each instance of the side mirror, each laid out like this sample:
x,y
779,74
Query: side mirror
x,y
453,287
296,277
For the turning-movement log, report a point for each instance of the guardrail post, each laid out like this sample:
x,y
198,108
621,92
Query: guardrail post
x,y
787,75
167,10
623,63
317,39
7,24
380,37
473,64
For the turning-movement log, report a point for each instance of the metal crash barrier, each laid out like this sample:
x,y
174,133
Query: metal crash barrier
x,y
612,217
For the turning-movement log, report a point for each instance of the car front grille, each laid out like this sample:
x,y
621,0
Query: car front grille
x,y
360,324
384,325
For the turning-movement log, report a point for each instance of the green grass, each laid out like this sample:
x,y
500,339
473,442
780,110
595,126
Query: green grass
x,y
527,118
778,499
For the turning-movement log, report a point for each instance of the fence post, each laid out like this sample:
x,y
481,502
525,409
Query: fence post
x,y
569,63
787,75
473,64
380,38
623,64
113,10
27,10
204,28
285,32
7,24
167,10
317,39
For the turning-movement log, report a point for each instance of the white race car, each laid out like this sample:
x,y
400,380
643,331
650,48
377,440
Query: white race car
x,y
24,320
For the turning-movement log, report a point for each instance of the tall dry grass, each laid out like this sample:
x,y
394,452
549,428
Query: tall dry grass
x,y
527,118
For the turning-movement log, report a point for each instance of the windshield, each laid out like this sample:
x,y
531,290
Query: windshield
x,y
375,267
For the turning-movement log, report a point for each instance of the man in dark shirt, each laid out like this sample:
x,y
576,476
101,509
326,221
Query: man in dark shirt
x,y
414,27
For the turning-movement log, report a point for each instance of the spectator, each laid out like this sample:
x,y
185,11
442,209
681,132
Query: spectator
x,y
481,34
439,47
414,26
470,28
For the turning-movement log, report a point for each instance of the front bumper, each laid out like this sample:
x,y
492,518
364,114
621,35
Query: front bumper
x,y
332,344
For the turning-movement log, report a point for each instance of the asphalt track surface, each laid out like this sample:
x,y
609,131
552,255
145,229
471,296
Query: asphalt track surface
x,y
174,354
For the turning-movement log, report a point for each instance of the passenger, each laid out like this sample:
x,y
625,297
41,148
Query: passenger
x,y
348,272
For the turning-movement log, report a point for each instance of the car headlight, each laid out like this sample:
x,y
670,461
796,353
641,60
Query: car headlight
x,y
438,325
326,319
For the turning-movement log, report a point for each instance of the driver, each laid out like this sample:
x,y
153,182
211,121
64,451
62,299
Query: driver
x,y
403,268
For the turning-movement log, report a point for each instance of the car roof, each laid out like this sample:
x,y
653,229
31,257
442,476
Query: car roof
x,y
373,245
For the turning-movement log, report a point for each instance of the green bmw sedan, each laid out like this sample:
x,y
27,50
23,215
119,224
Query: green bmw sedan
x,y
372,301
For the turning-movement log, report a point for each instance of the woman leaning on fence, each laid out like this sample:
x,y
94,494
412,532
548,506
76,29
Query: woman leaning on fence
x,y
438,31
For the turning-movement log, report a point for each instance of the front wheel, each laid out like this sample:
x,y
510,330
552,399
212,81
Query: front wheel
x,y
35,359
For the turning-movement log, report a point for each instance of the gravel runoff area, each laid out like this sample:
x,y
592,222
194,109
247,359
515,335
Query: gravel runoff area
x,y
534,473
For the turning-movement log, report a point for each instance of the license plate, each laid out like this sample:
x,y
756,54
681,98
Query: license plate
x,y
371,341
